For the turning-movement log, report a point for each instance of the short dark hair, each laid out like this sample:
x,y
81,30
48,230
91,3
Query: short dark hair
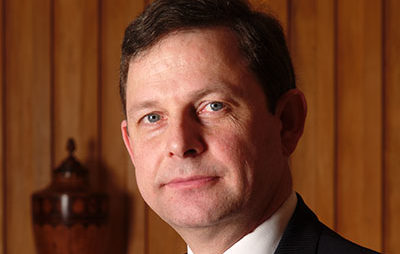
x,y
259,35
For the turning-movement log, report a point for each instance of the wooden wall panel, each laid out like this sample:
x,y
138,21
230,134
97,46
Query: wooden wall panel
x,y
137,215
312,48
76,93
128,211
2,122
346,55
27,122
278,8
162,238
359,126
392,127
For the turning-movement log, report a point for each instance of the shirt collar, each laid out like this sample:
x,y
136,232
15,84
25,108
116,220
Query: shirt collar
x,y
265,238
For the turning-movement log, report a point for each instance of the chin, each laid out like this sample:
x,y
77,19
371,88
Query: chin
x,y
200,216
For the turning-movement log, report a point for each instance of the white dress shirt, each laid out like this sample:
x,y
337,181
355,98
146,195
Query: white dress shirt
x,y
265,238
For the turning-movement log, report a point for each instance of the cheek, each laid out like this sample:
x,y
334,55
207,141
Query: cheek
x,y
236,153
145,169
144,184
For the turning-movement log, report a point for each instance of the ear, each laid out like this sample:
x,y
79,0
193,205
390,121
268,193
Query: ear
x,y
291,109
126,138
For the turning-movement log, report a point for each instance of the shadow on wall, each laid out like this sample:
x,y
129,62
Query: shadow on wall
x,y
104,179
120,212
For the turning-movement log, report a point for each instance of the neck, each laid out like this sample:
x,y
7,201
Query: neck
x,y
214,239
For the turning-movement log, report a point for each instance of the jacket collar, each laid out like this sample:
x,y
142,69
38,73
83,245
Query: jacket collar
x,y
302,233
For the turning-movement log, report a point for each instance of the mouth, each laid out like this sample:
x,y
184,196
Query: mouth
x,y
191,182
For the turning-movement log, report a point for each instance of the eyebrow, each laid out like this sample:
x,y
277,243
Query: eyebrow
x,y
227,89
142,105
196,95
210,90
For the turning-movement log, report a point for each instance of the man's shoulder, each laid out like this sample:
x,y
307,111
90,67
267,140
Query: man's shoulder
x,y
331,242
305,234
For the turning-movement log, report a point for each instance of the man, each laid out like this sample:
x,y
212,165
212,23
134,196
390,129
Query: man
x,y
212,116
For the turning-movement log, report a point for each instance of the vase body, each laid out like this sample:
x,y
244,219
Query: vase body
x,y
68,218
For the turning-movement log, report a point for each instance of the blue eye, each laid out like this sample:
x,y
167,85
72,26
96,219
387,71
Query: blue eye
x,y
152,118
216,106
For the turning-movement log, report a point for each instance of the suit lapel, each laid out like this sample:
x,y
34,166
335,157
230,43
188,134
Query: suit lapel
x,y
302,233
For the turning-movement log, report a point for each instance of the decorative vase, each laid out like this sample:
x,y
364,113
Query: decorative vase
x,y
67,217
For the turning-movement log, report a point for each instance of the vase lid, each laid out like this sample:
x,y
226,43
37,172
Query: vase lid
x,y
71,166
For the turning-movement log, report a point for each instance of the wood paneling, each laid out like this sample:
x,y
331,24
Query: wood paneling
x,y
392,127
60,80
359,121
76,64
27,123
279,8
137,222
128,211
2,109
312,48
168,241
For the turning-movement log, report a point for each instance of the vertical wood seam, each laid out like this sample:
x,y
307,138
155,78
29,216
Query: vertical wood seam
x,y
99,107
289,13
335,115
383,132
99,87
52,84
3,108
99,98
146,229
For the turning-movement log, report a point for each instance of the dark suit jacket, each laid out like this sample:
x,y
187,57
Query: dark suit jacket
x,y
305,234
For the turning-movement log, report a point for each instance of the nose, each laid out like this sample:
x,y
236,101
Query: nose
x,y
184,138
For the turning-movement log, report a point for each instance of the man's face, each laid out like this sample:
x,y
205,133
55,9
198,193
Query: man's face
x,y
206,150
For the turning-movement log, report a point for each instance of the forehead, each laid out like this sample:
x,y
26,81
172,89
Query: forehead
x,y
217,45
185,61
